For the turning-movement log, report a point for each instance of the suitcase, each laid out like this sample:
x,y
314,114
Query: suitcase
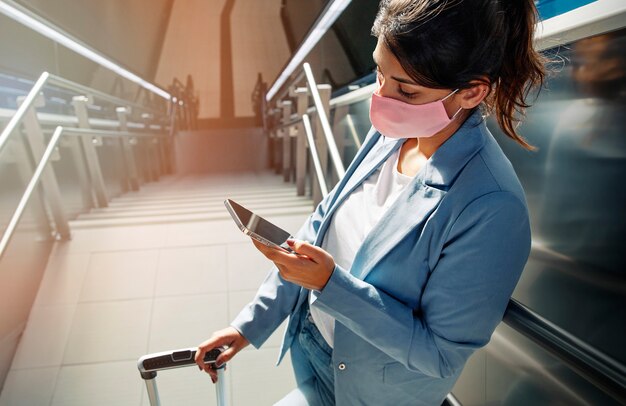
x,y
150,364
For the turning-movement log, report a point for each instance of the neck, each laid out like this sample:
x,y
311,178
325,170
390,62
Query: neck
x,y
428,146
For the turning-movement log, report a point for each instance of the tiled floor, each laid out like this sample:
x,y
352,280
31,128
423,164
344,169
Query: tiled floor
x,y
116,292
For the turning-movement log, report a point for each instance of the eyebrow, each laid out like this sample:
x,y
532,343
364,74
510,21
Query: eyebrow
x,y
397,79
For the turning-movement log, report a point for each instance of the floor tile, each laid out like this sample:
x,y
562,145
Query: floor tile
x,y
203,233
247,267
117,238
115,293
109,332
115,383
29,387
255,379
63,279
191,270
186,321
43,342
120,275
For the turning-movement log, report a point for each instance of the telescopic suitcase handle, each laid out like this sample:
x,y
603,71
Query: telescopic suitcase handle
x,y
150,364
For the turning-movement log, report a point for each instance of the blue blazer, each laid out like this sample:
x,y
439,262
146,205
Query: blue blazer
x,y
430,282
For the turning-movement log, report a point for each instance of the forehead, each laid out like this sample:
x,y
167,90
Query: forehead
x,y
386,60
380,51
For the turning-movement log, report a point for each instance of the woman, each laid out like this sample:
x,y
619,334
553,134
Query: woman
x,y
406,267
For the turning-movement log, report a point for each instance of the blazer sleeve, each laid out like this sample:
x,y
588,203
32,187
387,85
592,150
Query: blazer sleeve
x,y
464,298
277,297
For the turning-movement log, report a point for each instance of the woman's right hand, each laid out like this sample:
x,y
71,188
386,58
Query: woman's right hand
x,y
228,337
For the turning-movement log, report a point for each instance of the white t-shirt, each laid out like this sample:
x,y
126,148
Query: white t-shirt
x,y
351,223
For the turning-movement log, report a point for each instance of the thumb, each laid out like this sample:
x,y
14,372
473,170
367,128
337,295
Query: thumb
x,y
315,253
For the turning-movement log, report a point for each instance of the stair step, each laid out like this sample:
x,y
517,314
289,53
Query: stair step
x,y
198,203
177,197
209,207
182,218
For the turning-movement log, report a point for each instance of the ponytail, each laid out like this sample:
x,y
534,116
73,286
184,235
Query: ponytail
x,y
522,69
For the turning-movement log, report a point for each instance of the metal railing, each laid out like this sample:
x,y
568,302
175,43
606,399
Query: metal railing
x,y
323,117
311,129
593,365
156,146
47,78
314,155
61,222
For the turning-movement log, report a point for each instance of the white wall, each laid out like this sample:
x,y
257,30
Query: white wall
x,y
192,46
259,45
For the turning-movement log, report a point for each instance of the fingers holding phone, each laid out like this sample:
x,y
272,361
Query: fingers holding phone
x,y
308,266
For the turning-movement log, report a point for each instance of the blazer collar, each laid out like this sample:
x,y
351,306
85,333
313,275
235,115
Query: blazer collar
x,y
444,165
422,196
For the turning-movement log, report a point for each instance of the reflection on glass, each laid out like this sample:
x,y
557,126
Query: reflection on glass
x,y
575,276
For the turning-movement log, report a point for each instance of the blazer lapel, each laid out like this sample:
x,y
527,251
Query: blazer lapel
x,y
382,148
411,209
422,196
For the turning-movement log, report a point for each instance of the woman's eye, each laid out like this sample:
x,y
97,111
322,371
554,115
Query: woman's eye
x,y
405,94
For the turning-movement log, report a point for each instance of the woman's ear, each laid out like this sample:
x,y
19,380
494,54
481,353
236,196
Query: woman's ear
x,y
474,95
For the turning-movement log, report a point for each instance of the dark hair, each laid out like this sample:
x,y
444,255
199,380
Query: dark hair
x,y
452,43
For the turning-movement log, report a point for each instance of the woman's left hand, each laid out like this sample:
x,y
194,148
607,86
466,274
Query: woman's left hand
x,y
310,268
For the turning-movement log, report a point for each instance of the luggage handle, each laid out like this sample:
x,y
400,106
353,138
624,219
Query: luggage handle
x,y
150,364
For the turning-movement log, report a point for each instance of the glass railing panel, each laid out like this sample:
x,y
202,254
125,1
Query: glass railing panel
x,y
110,156
576,273
13,178
142,159
25,257
68,166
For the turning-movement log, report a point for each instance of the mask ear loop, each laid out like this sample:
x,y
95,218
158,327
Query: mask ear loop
x,y
450,95
460,108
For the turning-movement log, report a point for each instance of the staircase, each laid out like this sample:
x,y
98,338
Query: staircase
x,y
158,269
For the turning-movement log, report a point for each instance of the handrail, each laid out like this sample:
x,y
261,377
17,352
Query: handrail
x,y
593,365
452,400
316,159
21,207
321,113
77,87
353,133
355,96
289,124
70,120
105,133
23,108
45,78
287,85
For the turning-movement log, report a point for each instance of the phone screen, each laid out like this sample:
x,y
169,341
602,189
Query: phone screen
x,y
257,225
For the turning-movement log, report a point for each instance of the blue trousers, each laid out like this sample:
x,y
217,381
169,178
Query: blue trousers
x,y
318,389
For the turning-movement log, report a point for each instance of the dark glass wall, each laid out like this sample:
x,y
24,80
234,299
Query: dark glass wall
x,y
344,54
298,17
575,276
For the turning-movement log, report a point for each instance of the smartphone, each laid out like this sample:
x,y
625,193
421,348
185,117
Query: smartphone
x,y
257,227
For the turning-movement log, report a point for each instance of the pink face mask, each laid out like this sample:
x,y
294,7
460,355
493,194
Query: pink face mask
x,y
396,119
